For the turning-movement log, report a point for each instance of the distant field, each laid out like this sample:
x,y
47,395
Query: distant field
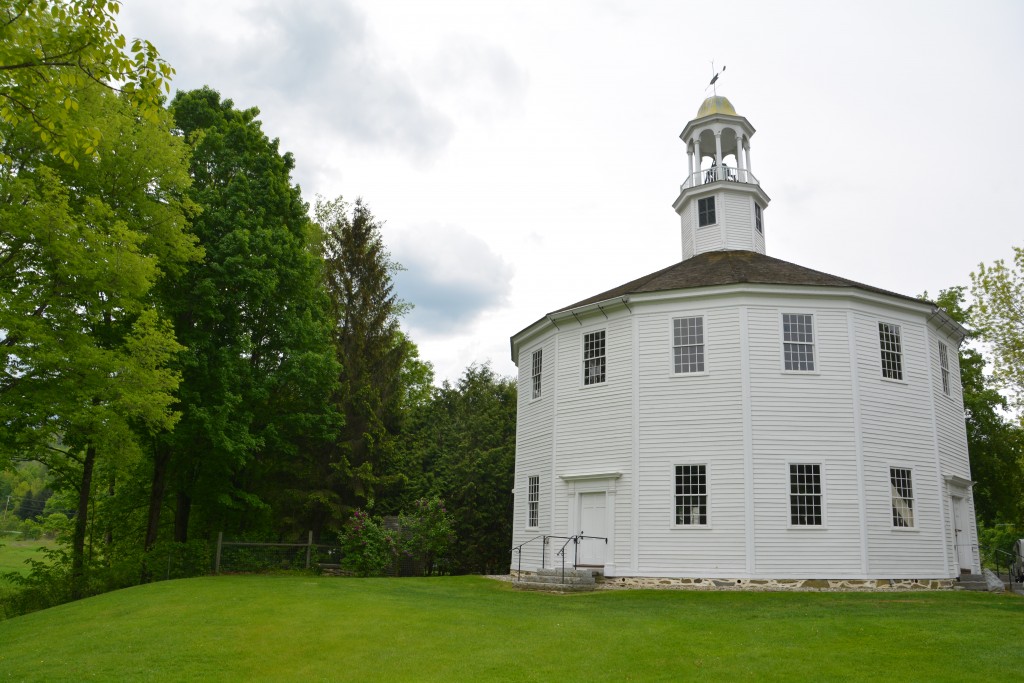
x,y
234,628
13,553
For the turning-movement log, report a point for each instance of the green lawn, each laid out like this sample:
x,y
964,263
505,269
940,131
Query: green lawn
x,y
235,628
13,553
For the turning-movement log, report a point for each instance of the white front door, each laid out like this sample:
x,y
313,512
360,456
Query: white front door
x,y
592,523
962,535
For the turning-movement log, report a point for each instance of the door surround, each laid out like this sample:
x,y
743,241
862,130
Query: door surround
x,y
578,483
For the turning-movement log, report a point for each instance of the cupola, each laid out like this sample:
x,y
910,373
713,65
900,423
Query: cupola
x,y
721,204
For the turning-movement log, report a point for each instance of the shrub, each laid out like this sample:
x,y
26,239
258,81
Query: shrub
x,y
368,549
427,533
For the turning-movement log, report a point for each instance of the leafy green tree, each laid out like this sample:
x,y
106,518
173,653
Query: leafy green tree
x,y
995,444
368,549
427,533
998,315
51,50
85,353
372,352
259,365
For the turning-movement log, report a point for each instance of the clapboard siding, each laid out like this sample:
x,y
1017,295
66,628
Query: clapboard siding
x,y
687,224
739,221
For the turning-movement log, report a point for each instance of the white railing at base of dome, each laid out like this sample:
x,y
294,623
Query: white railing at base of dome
x,y
716,173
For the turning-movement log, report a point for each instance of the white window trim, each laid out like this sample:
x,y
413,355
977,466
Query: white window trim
x,y
540,392
528,501
913,487
672,495
945,374
583,335
758,209
696,209
824,498
814,344
903,352
671,344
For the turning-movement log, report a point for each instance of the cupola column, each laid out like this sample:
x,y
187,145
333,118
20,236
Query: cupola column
x,y
718,155
697,158
746,152
689,166
741,168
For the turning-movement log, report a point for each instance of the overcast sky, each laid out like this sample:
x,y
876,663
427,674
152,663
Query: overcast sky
x,y
525,155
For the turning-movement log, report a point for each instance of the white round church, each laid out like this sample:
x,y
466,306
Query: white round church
x,y
742,419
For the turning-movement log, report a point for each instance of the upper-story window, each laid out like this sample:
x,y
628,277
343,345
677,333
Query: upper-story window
x,y
706,211
593,358
538,366
944,367
688,344
892,350
798,341
758,218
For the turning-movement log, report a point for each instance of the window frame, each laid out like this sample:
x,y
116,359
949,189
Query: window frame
x,y
536,374
758,219
821,495
896,355
672,344
944,367
585,380
533,501
703,213
892,499
675,505
813,344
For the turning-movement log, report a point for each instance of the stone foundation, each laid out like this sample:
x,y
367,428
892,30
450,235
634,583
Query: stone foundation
x,y
647,582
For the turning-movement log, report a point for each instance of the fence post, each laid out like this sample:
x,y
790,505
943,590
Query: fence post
x,y
309,548
220,542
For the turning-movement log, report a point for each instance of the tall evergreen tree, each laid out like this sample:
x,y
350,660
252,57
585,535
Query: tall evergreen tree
x,y
371,349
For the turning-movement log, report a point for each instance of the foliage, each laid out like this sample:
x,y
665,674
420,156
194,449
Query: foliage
x,y
371,349
998,314
997,543
474,629
427,533
50,50
368,549
995,444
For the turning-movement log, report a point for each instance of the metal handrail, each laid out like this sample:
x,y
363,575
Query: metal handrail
x,y
519,549
1012,563
575,540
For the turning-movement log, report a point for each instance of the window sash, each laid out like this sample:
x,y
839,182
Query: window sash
x,y
688,344
593,358
892,351
805,495
758,220
944,367
706,211
798,342
691,495
901,484
533,504
538,363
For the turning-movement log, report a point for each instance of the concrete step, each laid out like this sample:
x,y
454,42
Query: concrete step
x,y
558,573
575,580
546,587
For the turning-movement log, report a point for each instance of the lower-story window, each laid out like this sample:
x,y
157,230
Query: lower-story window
x,y
533,503
805,495
691,495
902,497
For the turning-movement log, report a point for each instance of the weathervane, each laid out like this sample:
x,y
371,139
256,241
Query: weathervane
x,y
714,78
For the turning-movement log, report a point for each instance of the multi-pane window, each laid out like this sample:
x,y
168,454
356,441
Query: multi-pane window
x,y
944,367
805,495
798,341
902,497
593,358
533,503
758,219
706,211
688,344
538,366
691,495
892,351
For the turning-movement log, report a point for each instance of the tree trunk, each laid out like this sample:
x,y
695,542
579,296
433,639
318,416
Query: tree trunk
x,y
161,458
81,517
181,515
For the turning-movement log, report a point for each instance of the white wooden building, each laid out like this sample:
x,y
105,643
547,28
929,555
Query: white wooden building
x,y
739,417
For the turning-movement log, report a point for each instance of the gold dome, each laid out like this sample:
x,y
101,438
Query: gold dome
x,y
716,105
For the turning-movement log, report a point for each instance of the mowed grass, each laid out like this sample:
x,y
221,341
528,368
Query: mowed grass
x,y
253,628
13,553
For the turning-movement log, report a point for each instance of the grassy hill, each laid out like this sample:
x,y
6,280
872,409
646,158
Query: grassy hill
x,y
234,628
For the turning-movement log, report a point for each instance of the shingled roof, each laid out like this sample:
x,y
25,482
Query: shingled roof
x,y
728,268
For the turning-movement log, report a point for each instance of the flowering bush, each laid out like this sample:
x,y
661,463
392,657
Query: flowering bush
x,y
427,532
368,548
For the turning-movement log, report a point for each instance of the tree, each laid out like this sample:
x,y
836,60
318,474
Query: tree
x,y
371,350
995,444
85,353
50,50
998,315
259,365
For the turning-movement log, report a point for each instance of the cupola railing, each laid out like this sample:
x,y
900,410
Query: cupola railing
x,y
716,173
